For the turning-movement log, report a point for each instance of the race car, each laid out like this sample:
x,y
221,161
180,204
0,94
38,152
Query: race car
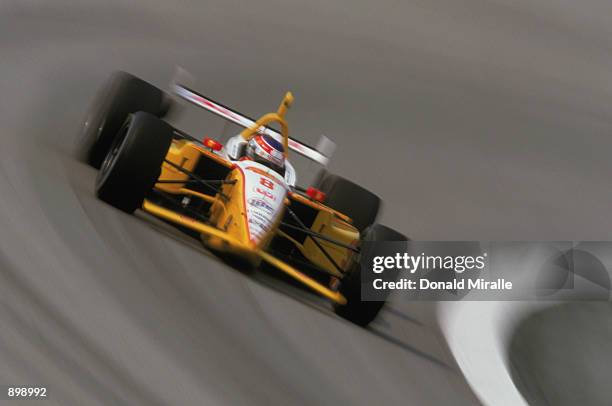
x,y
238,205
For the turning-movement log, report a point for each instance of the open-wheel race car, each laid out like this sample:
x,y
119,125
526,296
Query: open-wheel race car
x,y
238,205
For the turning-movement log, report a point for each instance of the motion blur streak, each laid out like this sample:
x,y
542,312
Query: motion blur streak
x,y
494,116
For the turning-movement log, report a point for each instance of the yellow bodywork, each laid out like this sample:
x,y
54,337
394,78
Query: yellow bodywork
x,y
185,154
239,247
229,212
226,229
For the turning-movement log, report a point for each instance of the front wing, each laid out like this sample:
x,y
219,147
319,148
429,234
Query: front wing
x,y
243,249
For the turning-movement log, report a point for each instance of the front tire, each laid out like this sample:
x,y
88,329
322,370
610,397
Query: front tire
x,y
122,95
355,310
134,161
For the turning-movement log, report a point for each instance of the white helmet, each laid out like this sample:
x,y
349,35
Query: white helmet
x,y
267,151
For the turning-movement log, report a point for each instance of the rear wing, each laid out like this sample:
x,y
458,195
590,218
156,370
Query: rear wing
x,y
321,153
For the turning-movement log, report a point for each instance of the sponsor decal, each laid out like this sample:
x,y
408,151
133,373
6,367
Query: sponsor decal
x,y
266,194
207,103
296,145
260,204
263,200
264,173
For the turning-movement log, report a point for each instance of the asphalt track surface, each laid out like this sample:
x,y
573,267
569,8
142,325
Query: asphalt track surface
x,y
474,120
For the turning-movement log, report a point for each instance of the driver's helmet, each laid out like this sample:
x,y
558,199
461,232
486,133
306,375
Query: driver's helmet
x,y
268,151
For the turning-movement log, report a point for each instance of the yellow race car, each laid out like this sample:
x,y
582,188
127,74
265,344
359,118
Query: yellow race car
x,y
238,207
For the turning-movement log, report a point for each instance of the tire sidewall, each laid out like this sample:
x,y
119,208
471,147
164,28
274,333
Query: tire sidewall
x,y
358,311
125,181
122,95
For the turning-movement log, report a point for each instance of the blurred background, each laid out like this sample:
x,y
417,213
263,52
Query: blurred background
x,y
473,120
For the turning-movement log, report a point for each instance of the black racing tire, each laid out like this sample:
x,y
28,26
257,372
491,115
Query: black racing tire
x,y
122,95
133,164
355,310
342,195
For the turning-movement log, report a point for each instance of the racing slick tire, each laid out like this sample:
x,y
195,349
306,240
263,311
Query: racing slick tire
x,y
133,163
122,95
355,310
342,195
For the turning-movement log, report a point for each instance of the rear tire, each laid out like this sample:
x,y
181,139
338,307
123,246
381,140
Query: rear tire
x,y
355,310
134,161
122,95
342,195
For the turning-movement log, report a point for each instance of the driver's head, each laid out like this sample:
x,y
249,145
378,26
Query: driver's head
x,y
267,151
